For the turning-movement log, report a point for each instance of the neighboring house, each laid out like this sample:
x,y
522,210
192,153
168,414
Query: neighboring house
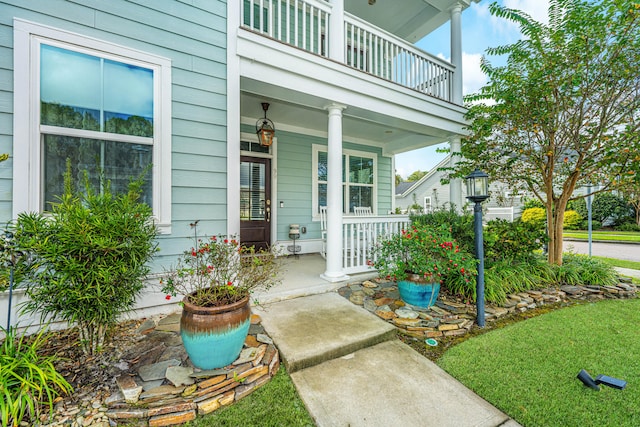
x,y
428,194
180,85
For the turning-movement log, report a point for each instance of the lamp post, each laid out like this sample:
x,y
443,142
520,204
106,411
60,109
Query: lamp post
x,y
478,192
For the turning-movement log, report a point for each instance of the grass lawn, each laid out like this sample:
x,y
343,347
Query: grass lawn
x,y
622,263
529,369
614,236
274,404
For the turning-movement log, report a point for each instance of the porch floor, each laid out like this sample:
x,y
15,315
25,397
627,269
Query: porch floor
x,y
302,278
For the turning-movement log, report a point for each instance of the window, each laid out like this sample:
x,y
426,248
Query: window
x,y
103,107
427,204
358,179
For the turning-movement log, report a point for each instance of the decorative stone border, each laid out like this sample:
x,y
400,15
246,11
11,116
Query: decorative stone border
x,y
174,394
451,318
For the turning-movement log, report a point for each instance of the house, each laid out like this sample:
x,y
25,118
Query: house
x,y
429,193
182,85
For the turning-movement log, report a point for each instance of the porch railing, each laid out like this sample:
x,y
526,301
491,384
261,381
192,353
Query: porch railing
x,y
306,24
360,233
509,213
382,54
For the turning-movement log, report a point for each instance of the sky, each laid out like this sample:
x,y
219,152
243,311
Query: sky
x,y
480,30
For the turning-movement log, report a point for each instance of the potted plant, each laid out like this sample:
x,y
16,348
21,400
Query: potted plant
x,y
216,277
420,259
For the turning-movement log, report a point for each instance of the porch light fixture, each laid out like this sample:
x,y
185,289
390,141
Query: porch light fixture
x,y
478,192
265,128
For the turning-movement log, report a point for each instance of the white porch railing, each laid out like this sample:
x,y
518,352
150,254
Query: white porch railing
x,y
509,213
306,24
382,54
360,233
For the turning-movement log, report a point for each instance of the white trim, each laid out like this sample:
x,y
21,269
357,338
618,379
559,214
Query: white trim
x,y
28,37
315,149
233,119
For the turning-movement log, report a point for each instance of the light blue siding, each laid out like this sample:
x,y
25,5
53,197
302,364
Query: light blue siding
x,y
192,34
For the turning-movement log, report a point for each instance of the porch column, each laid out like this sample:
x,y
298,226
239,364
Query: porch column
x,y
336,31
333,272
455,186
456,52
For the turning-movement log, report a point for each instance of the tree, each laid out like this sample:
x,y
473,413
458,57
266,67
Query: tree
x,y
416,176
631,191
398,179
565,109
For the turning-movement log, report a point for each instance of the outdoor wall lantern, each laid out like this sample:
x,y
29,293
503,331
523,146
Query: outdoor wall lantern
x,y
478,192
265,128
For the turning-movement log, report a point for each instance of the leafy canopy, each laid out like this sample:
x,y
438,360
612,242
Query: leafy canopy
x,y
565,108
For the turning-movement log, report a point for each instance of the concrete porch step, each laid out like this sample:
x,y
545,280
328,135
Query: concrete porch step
x,y
317,328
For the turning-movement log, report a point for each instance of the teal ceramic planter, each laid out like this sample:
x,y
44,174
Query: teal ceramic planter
x,y
419,294
213,336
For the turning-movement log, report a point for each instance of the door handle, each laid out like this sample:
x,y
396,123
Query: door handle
x,y
268,210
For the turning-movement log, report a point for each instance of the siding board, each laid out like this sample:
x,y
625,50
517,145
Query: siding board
x,y
192,35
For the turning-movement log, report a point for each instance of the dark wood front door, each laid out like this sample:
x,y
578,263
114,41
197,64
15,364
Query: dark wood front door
x,y
255,202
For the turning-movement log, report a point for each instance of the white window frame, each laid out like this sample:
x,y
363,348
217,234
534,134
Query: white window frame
x,y
27,160
427,202
316,148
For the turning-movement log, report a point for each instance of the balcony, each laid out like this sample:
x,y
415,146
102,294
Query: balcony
x,y
310,26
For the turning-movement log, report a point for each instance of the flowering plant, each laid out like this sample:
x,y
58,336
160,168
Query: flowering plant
x,y
425,251
218,271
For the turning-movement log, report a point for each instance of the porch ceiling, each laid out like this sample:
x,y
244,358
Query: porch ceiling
x,y
308,113
412,21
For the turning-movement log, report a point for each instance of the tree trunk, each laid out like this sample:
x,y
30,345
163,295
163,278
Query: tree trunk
x,y
555,220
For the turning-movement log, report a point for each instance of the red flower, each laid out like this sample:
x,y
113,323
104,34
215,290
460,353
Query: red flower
x,y
168,297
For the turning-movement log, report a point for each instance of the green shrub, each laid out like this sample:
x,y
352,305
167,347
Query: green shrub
x,y
595,225
505,277
91,255
537,216
584,270
532,203
605,207
628,226
29,381
515,240
572,220
461,225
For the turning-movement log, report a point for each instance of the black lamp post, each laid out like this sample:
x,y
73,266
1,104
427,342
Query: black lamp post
x,y
478,192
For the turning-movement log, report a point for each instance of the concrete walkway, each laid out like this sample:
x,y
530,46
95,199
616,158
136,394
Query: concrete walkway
x,y
350,370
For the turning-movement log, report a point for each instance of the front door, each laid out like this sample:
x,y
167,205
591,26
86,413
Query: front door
x,y
255,202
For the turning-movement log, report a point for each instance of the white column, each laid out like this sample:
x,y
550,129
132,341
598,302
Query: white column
x,y
333,272
455,186
336,31
456,52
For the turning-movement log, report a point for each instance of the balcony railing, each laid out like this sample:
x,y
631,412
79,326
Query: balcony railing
x,y
306,24
360,233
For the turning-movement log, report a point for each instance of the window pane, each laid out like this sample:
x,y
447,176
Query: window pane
x,y
360,170
322,196
128,99
252,191
360,196
82,91
119,162
70,88
322,166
